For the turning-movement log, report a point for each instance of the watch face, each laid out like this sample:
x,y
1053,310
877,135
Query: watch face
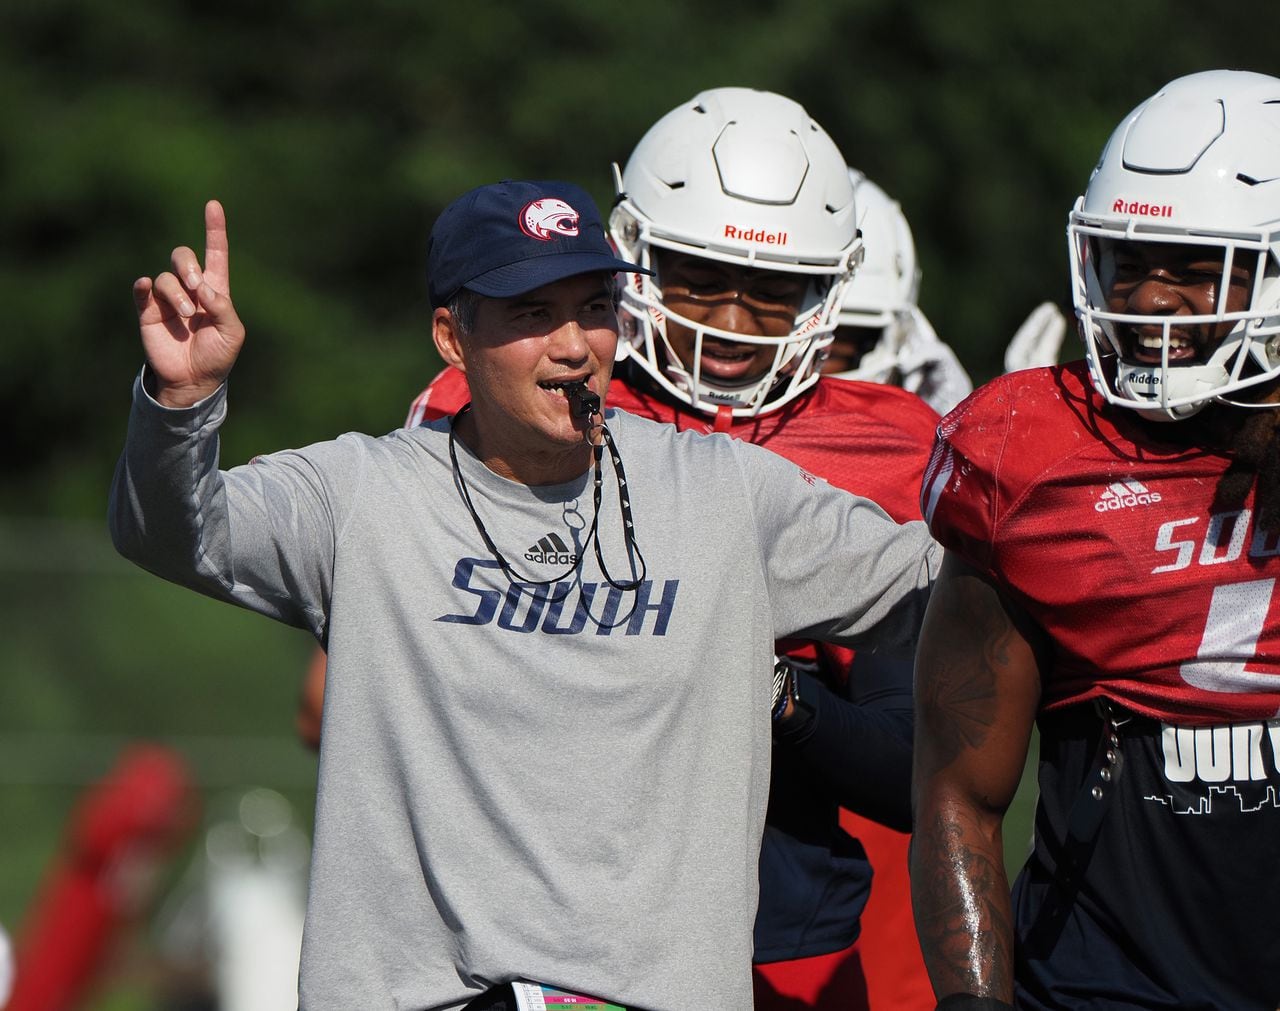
x,y
803,692
795,682
803,704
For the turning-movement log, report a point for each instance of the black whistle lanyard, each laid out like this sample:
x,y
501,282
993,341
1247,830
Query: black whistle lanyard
x,y
584,404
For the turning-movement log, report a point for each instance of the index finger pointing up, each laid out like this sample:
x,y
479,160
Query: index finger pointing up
x,y
217,251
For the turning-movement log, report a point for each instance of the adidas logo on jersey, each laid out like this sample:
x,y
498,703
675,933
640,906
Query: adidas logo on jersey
x,y
1123,495
551,550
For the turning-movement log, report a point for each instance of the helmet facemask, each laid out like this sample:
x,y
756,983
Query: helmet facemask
x,y
1179,384
1188,186
874,347
797,354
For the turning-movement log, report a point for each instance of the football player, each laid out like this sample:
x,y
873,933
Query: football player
x,y
1113,542
745,209
882,336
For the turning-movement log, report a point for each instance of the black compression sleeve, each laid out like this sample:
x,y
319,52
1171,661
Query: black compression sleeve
x,y
860,747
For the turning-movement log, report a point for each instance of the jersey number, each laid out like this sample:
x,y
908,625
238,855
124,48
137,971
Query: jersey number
x,y
1237,614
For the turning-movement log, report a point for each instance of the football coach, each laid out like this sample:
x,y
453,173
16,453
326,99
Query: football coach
x,y
541,768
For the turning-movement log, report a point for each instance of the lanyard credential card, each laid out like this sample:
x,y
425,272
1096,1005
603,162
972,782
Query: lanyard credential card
x,y
536,997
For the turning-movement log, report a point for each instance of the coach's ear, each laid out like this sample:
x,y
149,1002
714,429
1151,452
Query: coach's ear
x,y
448,340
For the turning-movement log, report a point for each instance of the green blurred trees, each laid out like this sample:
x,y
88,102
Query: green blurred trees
x,y
335,131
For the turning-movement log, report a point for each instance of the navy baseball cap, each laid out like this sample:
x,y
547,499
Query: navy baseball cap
x,y
508,238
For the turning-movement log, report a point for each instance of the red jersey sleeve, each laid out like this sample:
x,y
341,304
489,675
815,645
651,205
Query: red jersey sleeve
x,y
961,496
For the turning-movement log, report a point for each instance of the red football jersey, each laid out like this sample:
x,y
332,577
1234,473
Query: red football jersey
x,y
1103,528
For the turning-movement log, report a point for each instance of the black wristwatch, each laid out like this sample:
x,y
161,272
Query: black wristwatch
x,y
794,681
804,691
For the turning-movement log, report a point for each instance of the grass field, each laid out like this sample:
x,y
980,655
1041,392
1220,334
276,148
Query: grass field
x,y
97,654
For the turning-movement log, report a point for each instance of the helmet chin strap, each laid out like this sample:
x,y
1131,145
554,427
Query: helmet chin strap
x,y
1181,411
1163,414
1146,385
645,340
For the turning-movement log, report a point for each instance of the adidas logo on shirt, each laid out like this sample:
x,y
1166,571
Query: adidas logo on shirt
x,y
1125,494
551,550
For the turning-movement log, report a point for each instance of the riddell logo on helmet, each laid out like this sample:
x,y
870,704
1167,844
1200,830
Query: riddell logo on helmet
x,y
755,235
1123,206
548,218
1142,379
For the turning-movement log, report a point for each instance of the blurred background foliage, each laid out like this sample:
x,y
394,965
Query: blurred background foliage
x,y
333,132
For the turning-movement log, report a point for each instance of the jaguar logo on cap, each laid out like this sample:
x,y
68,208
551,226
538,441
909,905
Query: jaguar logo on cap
x,y
548,218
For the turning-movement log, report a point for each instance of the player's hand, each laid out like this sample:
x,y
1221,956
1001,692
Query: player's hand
x,y
190,331
1038,339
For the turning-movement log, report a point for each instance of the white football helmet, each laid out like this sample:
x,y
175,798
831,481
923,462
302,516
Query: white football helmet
x,y
744,177
1197,164
884,289
881,298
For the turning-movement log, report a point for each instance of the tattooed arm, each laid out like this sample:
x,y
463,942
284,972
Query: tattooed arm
x,y
977,689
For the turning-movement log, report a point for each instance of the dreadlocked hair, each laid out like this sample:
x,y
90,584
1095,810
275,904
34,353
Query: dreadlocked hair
x,y
1255,464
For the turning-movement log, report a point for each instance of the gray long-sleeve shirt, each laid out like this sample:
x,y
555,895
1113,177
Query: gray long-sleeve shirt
x,y
566,783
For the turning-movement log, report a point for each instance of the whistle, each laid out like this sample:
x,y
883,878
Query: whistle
x,y
582,401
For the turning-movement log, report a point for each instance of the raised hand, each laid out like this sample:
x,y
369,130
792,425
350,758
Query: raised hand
x,y
190,331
